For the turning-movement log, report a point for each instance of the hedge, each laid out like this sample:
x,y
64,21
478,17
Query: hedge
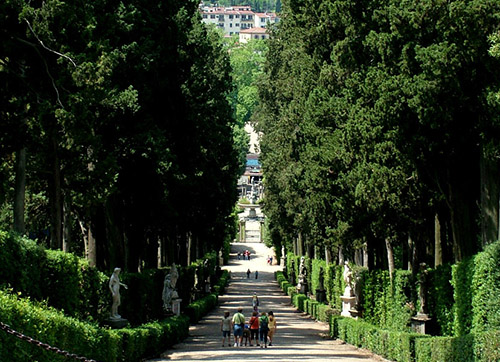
x,y
394,345
82,338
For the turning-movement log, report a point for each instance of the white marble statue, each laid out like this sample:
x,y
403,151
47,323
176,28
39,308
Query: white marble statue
x,y
114,287
348,291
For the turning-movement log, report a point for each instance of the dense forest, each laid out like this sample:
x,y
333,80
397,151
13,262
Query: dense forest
x,y
116,133
380,124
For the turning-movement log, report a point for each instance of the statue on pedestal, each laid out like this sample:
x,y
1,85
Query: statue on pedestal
x,y
348,291
114,287
169,291
302,285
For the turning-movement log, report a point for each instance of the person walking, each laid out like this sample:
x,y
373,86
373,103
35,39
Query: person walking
x,y
256,274
238,326
225,327
263,329
248,274
272,327
253,324
255,302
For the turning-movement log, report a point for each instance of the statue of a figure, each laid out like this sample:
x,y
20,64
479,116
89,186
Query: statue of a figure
x,y
422,290
114,287
348,279
169,292
302,285
302,267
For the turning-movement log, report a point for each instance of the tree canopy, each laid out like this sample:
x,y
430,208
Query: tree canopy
x,y
376,117
121,112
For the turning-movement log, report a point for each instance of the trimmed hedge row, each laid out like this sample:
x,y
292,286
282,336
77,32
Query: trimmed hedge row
x,y
82,338
403,346
394,345
318,311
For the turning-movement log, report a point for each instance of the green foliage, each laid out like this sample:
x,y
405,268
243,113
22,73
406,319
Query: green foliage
x,y
386,303
396,346
82,338
440,300
334,285
298,300
318,268
196,310
476,290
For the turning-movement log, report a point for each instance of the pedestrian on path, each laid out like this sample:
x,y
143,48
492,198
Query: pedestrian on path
x,y
255,301
254,328
272,327
248,274
238,325
256,274
263,329
225,327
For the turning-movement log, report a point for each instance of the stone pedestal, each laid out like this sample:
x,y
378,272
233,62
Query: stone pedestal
x,y
176,307
116,323
418,322
348,304
252,212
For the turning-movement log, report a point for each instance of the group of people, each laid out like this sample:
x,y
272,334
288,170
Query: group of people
x,y
245,254
256,274
258,329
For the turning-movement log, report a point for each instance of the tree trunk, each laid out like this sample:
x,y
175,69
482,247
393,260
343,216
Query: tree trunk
x,y
20,191
328,255
390,256
189,246
438,246
89,243
56,200
490,198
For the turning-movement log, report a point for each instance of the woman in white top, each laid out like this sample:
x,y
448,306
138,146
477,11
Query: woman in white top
x,y
225,327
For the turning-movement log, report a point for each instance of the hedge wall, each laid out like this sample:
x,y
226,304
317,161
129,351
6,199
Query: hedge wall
x,y
476,283
82,338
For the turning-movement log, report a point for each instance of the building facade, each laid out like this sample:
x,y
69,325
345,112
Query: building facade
x,y
232,20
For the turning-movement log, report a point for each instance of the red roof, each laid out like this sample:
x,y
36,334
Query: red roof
x,y
253,31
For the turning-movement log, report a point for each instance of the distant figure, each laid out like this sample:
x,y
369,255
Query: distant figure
x,y
114,287
225,327
254,328
263,329
238,323
248,273
256,274
239,256
255,301
272,327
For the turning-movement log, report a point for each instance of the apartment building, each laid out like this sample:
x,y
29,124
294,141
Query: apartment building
x,y
236,18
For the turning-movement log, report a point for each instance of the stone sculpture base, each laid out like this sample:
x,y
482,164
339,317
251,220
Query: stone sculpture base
x,y
418,322
176,307
116,323
348,304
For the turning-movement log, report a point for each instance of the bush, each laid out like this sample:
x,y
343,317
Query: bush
x,y
397,346
298,301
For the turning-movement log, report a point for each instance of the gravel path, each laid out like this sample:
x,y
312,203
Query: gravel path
x,y
298,337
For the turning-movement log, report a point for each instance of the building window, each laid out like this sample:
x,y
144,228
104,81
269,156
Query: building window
x,y
263,36
221,17
221,25
204,16
230,25
212,16
243,17
237,24
256,37
230,33
230,16
250,17
237,16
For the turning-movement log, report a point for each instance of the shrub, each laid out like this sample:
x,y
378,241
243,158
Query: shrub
x,y
82,338
298,301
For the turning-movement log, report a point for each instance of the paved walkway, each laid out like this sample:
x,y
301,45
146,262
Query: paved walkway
x,y
298,337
